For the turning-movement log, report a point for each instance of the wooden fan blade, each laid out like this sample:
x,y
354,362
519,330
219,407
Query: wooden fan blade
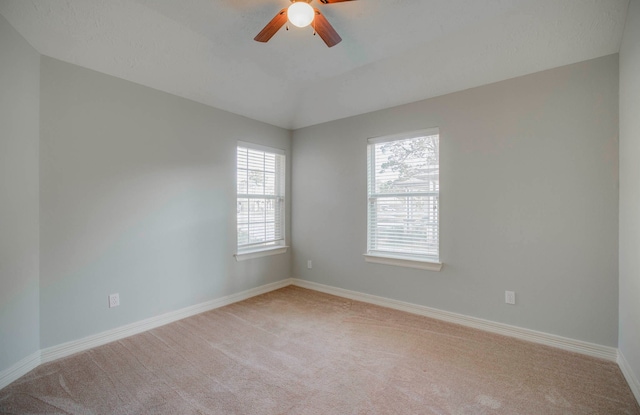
x,y
333,1
272,27
325,30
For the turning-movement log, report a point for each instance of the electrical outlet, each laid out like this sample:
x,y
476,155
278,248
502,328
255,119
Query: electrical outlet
x,y
114,300
309,264
509,297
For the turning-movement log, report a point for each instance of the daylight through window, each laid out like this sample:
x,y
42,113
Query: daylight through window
x,y
260,197
403,191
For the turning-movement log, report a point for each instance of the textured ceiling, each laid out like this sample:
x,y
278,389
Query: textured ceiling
x,y
393,51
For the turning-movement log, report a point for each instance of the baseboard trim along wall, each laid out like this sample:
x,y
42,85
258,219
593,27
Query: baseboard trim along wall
x,y
65,349
20,369
633,381
49,354
578,346
56,352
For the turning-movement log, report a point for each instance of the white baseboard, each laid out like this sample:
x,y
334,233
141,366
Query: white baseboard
x,y
632,380
20,369
578,346
65,349
62,350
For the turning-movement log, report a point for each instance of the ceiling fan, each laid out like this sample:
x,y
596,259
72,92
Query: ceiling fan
x,y
301,14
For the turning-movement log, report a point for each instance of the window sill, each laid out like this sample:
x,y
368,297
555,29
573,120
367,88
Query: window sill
x,y
403,262
243,256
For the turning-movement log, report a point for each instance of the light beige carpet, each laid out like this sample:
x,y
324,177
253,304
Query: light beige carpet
x,y
295,351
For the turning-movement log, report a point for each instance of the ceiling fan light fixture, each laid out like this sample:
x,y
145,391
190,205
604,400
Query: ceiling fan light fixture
x,y
300,14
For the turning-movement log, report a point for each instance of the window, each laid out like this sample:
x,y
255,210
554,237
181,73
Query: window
x,y
260,173
403,191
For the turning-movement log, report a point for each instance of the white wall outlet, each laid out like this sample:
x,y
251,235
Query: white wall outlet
x,y
509,297
114,300
309,264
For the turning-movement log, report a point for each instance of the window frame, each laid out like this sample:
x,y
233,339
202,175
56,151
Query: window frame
x,y
277,246
389,257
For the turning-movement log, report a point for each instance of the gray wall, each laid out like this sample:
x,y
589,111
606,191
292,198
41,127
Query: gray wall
x,y
19,113
629,343
529,202
135,189
137,198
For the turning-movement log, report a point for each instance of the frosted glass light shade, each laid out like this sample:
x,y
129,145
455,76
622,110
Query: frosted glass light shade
x,y
300,14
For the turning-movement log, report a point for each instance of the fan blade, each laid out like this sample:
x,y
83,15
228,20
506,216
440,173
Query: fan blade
x,y
325,30
272,27
333,1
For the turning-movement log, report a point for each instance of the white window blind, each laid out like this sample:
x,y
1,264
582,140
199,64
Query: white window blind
x,y
403,191
260,197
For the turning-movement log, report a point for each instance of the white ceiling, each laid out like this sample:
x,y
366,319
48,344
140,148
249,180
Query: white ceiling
x,y
393,51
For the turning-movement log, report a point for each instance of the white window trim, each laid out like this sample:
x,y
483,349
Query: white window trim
x,y
260,147
267,250
403,136
258,253
397,260
403,262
